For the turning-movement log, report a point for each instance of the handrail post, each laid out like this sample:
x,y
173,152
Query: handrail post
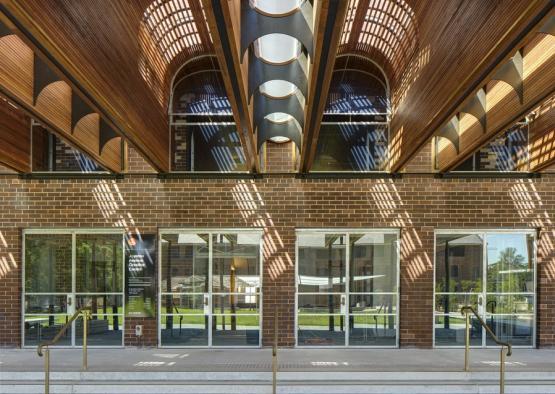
x,y
502,371
467,344
46,370
85,333
274,354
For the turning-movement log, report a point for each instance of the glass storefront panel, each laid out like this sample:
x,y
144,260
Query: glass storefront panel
x,y
235,330
516,329
497,279
235,303
510,263
453,303
319,303
322,262
182,303
45,304
40,328
103,330
459,263
450,331
85,269
321,330
373,303
99,265
48,263
372,330
184,330
371,268
236,263
210,288
331,292
184,265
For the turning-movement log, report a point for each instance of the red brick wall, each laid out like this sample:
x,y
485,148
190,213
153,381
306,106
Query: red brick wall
x,y
415,203
422,161
280,157
136,163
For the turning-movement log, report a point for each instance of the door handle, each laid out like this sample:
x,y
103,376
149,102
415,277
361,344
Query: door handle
x,y
342,300
69,300
205,300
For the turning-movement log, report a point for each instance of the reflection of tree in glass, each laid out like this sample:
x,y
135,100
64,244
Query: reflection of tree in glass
x,y
508,273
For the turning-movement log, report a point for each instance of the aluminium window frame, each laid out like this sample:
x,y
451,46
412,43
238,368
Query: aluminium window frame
x,y
73,231
484,231
348,231
210,232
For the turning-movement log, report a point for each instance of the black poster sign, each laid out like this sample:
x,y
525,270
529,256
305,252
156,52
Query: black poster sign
x,y
140,286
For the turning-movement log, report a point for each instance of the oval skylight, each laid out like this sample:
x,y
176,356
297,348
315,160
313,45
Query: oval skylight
x,y
277,48
276,7
278,139
279,117
278,88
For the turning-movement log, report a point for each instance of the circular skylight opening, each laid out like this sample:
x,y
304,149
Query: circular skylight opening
x,y
276,7
278,139
278,88
277,48
278,117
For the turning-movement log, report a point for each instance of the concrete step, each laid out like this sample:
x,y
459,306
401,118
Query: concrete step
x,y
288,382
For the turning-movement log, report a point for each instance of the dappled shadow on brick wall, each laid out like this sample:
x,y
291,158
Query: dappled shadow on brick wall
x,y
254,213
395,213
113,207
7,260
534,213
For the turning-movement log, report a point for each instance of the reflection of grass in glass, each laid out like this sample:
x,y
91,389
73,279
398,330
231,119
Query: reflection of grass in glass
x,y
323,320
200,320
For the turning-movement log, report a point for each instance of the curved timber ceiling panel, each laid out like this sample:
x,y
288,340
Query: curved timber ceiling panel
x,y
383,30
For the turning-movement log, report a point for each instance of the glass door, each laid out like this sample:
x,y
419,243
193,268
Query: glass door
x,y
347,288
210,284
321,289
493,271
69,270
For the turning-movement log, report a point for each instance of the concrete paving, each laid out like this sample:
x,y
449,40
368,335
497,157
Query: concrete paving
x,y
290,360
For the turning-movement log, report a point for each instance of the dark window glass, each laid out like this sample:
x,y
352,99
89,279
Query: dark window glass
x,y
508,152
50,153
352,147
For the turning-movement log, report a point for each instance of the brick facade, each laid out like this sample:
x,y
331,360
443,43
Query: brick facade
x,y
417,204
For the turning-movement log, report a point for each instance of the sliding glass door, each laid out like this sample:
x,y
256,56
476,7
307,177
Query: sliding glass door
x,y
210,288
494,271
70,269
347,288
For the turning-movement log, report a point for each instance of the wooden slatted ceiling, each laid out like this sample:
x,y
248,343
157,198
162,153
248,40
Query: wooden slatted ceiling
x,y
234,73
459,43
110,53
15,143
542,136
53,104
503,103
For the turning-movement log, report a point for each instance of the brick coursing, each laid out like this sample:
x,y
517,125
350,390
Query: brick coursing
x,y
417,204
280,157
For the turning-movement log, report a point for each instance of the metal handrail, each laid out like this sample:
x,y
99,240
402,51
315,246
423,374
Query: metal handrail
x,y
465,310
274,354
44,347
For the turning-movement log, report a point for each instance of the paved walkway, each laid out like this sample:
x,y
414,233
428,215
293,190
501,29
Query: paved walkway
x,y
290,360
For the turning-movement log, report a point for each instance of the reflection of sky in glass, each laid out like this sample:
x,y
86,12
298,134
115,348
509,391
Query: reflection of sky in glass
x,y
85,163
497,243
